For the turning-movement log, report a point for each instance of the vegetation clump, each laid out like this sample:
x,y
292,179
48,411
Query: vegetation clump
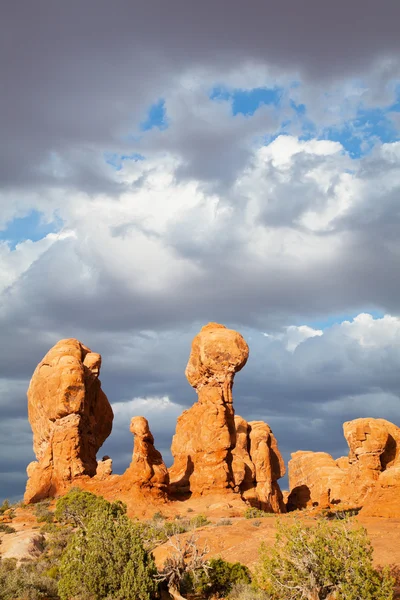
x,y
254,513
219,578
320,562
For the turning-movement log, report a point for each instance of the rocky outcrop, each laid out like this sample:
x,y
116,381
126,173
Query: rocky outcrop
x,y
213,450
205,434
257,465
147,469
70,417
315,479
370,470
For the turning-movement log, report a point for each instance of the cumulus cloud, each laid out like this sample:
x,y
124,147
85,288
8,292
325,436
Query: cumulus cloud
x,y
260,222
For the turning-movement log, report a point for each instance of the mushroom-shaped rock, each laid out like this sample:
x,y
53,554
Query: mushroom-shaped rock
x,y
213,450
147,468
70,418
205,434
217,354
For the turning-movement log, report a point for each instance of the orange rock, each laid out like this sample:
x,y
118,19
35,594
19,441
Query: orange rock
x,y
368,477
269,466
147,468
315,479
205,434
70,417
213,449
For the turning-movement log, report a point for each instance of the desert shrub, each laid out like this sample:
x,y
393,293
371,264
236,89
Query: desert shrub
x,y
246,591
105,557
224,521
339,514
219,577
158,530
254,513
6,528
5,506
256,523
159,516
198,521
43,513
320,561
26,582
76,507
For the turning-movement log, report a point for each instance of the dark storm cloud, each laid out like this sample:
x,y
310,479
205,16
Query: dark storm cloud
x,y
78,76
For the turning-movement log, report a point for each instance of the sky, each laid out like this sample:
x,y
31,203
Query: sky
x,y
167,164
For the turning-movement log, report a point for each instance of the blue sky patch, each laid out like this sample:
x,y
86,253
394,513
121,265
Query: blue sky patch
x,y
156,117
246,102
31,227
117,160
359,135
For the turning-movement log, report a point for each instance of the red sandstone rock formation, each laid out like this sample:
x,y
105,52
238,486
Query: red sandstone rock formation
x,y
147,469
205,434
214,450
314,479
372,470
70,418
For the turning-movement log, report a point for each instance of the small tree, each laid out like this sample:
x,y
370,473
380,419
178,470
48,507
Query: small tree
x,y
220,577
186,562
321,562
105,558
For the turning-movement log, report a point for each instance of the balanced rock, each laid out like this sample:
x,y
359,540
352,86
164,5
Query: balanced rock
x,y
205,434
213,449
70,418
147,469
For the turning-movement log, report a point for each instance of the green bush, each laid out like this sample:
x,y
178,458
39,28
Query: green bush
x,y
76,507
320,561
219,578
105,557
43,513
246,591
4,528
5,506
27,582
198,521
254,513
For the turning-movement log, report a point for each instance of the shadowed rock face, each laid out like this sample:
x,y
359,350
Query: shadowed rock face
x,y
373,465
70,418
213,450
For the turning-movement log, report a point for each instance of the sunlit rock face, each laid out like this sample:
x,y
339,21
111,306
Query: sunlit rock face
x,y
70,417
213,450
369,473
